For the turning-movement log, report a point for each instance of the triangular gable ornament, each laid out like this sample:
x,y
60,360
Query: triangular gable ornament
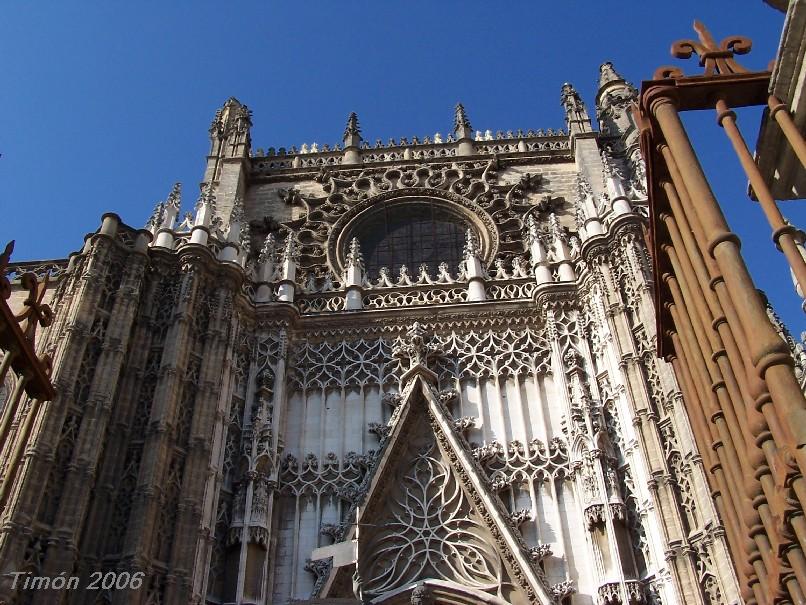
x,y
428,527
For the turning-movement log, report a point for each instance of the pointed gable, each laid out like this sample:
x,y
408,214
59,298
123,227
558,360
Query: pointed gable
x,y
428,515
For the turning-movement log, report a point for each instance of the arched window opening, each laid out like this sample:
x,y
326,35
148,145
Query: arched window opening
x,y
412,233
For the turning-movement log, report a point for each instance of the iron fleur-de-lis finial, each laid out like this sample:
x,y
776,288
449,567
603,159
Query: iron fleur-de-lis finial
x,y
717,59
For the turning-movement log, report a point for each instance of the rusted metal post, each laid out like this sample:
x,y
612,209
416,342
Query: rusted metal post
x,y
780,113
783,232
767,351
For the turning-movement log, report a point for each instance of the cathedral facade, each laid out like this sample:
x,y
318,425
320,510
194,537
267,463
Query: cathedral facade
x,y
414,372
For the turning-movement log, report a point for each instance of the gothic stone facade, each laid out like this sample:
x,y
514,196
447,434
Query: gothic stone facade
x,y
251,409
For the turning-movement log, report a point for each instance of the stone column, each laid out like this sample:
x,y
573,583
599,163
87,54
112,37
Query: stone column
x,y
79,310
140,537
188,533
81,475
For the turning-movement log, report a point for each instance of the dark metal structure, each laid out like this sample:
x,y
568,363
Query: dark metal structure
x,y
746,405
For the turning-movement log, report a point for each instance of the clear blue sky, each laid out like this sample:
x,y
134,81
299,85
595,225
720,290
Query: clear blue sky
x,y
105,104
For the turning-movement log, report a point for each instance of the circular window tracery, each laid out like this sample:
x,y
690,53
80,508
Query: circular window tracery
x,y
413,233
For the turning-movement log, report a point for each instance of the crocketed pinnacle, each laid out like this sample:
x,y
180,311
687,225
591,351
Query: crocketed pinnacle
x,y
471,247
156,216
354,257
175,196
207,197
460,119
353,128
267,251
290,249
607,74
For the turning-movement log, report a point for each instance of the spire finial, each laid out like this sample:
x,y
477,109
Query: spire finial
x,y
290,248
532,230
353,130
267,251
460,119
584,189
471,244
607,74
576,116
207,197
354,257
237,213
155,220
175,196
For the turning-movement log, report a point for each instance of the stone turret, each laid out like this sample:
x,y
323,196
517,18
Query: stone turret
x,y
230,147
613,102
576,115
230,135
352,140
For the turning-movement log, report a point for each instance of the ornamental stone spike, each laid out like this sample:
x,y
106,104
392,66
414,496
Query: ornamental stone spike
x,y
155,220
354,257
471,248
473,268
265,269
205,210
416,346
576,115
289,249
237,214
615,187
607,74
463,131
352,140
175,197
614,99
171,207
461,123
229,131
206,197
532,231
245,241
287,288
354,277
591,224
561,252
267,251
